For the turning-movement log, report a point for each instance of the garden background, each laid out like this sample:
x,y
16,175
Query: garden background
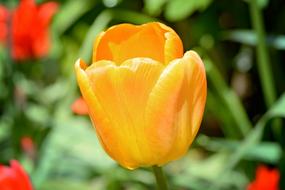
x,y
242,45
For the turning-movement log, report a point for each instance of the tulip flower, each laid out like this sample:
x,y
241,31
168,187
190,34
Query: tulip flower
x,y
3,24
14,177
145,98
28,147
30,22
79,107
266,179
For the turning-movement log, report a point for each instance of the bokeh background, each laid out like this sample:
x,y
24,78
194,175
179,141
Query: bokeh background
x,y
59,148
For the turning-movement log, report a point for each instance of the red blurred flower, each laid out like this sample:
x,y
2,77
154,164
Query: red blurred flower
x,y
266,179
14,177
3,23
28,146
30,23
79,107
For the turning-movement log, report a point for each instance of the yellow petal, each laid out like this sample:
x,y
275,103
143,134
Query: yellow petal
x,y
95,47
191,105
173,47
161,110
115,34
125,41
97,114
197,85
123,92
175,107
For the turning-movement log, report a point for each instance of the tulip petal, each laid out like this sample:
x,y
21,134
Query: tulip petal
x,y
30,29
115,34
122,92
7,176
22,178
152,40
196,81
3,23
176,106
23,17
41,41
14,177
173,47
191,104
97,114
46,12
161,109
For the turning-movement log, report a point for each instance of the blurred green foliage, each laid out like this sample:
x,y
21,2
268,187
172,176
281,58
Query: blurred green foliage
x,y
236,134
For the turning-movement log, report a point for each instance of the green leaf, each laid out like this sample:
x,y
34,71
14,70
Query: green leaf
x,y
229,98
265,152
131,16
253,138
73,139
65,184
180,9
4,130
261,3
228,125
37,113
69,13
249,37
196,172
53,92
154,7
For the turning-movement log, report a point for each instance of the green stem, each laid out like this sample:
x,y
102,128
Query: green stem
x,y
160,179
264,69
263,63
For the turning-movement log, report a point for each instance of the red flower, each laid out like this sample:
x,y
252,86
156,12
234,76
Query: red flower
x,y
14,177
3,23
30,23
79,107
28,146
266,179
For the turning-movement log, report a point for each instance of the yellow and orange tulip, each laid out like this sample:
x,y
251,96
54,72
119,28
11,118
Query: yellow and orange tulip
x,y
145,98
